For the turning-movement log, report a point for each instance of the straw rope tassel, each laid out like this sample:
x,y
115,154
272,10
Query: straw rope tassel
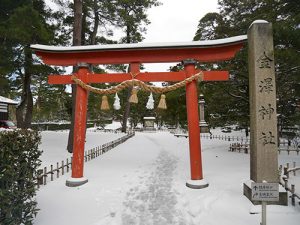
x,y
133,98
104,103
162,102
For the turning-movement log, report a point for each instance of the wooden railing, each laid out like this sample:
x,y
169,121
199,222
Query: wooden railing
x,y
285,175
51,172
225,137
289,149
239,147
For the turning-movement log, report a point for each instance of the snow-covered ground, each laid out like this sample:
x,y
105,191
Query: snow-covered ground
x,y
142,181
54,144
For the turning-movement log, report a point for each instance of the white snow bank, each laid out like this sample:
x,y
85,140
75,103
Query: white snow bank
x,y
54,144
8,101
142,181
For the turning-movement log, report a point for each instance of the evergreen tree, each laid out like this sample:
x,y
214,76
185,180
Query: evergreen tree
x,y
132,18
228,102
22,23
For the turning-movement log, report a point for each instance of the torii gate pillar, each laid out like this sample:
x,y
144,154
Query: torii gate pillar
x,y
77,178
197,180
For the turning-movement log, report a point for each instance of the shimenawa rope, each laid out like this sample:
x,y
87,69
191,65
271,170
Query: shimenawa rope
x,y
141,84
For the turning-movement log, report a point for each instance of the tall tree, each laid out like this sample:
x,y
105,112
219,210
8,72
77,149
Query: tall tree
x,y
132,18
234,19
77,34
24,23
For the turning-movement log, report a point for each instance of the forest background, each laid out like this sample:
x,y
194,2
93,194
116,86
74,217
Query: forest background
x,y
87,22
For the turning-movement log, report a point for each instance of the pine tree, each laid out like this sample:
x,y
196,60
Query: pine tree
x,y
24,23
132,18
234,19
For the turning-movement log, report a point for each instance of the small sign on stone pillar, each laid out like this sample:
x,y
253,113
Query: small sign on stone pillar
x,y
263,117
202,123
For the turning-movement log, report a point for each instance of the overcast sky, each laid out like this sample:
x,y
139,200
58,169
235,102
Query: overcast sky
x,y
175,21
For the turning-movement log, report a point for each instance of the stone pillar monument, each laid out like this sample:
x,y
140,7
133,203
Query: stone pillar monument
x,y
202,123
263,117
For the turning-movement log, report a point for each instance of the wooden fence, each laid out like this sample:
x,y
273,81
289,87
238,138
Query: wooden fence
x,y
285,175
239,147
65,166
289,149
224,137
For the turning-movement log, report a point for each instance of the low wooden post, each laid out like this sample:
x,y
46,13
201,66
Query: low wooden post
x,y
293,194
286,184
67,165
45,175
57,170
285,172
294,171
39,177
62,167
51,172
280,168
246,149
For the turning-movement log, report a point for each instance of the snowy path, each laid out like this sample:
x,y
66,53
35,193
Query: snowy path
x,y
153,200
142,182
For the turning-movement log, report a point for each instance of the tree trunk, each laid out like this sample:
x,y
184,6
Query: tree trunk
x,y
126,111
24,110
71,132
77,22
77,30
127,107
96,24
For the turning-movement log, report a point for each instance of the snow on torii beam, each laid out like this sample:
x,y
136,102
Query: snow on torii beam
x,y
135,54
203,51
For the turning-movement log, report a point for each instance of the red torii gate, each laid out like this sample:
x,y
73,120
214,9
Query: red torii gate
x,y
135,54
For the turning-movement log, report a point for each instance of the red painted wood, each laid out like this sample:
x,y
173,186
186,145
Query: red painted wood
x,y
146,77
134,69
125,56
193,125
79,126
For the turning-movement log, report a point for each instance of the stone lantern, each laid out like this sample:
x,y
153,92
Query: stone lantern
x,y
202,123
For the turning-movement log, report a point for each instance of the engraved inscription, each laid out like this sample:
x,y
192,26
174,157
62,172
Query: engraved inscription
x,y
267,138
266,85
266,112
264,61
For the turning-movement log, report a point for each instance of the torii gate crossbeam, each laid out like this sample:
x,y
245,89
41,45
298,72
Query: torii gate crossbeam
x,y
135,54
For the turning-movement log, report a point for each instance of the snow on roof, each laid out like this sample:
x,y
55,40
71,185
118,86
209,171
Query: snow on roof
x,y
149,118
260,21
113,126
162,45
8,101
